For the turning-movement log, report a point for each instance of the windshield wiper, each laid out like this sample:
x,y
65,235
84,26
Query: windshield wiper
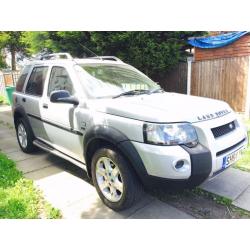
x,y
156,90
140,92
132,92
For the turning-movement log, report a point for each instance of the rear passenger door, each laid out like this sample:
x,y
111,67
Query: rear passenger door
x,y
31,100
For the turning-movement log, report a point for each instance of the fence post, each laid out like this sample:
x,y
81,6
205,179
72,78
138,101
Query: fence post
x,y
247,108
189,74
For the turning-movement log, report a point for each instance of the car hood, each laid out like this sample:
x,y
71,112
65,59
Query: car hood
x,y
162,107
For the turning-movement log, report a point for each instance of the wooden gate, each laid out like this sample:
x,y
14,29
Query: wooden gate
x,y
224,79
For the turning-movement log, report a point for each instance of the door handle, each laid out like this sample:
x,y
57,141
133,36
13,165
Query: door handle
x,y
45,105
24,99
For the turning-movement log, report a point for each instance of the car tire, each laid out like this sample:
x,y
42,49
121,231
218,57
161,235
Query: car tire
x,y
25,136
125,190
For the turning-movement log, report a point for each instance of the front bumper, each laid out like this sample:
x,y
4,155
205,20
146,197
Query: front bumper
x,y
159,162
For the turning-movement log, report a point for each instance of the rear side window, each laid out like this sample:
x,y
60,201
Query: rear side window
x,y
36,81
60,80
22,79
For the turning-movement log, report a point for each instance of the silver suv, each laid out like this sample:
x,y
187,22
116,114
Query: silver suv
x,y
121,127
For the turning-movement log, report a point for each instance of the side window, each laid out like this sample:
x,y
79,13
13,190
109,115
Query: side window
x,y
60,80
36,81
22,78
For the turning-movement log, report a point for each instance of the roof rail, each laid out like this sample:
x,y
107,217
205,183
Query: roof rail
x,y
63,55
56,56
110,58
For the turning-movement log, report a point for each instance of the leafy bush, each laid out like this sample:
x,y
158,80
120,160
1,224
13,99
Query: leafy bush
x,y
3,99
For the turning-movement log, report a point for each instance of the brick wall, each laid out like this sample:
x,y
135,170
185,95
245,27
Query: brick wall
x,y
239,48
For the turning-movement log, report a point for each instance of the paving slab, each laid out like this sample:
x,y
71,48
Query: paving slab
x,y
20,155
37,162
9,143
243,201
10,149
7,133
4,135
231,183
6,116
62,188
160,210
91,207
42,173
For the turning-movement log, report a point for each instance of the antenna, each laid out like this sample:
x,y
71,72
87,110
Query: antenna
x,y
89,50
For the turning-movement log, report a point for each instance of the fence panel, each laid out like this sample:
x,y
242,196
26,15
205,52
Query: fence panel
x,y
224,79
8,79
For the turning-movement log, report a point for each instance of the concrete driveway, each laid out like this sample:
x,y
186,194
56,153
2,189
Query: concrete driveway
x,y
68,188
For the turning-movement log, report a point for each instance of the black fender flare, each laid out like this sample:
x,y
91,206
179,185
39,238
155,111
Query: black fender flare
x,y
19,111
119,141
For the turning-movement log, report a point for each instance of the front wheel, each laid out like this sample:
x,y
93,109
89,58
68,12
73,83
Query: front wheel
x,y
115,181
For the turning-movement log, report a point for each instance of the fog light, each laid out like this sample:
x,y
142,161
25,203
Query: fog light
x,y
179,164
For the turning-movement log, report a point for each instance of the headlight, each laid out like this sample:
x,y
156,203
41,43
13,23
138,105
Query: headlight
x,y
170,134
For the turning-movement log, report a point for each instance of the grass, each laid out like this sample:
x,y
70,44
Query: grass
x,y
3,100
244,162
19,198
200,203
224,201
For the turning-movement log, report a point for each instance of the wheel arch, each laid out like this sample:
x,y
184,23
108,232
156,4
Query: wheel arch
x,y
18,113
101,136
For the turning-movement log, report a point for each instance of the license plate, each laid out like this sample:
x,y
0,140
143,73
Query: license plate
x,y
231,158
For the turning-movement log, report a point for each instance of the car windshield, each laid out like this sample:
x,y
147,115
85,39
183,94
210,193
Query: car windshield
x,y
109,80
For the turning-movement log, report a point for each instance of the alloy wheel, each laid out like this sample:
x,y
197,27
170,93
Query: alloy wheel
x,y
22,135
109,179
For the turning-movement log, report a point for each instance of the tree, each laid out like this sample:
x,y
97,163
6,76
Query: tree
x,y
152,52
58,41
12,40
2,61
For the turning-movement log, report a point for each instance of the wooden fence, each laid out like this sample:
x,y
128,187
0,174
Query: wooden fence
x,y
8,79
224,79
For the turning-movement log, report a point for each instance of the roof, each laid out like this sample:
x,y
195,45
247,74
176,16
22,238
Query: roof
x,y
216,41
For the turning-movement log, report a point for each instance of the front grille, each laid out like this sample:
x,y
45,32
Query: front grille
x,y
224,129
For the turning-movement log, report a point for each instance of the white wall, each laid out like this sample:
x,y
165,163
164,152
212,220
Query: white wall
x,y
2,88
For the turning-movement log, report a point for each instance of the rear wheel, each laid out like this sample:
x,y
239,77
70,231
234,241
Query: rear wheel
x,y
115,181
24,136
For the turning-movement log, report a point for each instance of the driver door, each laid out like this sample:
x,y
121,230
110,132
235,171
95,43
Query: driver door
x,y
60,118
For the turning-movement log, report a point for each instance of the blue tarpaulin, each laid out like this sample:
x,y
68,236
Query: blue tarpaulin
x,y
216,41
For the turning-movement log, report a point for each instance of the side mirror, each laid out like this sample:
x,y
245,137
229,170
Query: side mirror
x,y
63,96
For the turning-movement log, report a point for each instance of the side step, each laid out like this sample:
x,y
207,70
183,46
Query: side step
x,y
54,151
